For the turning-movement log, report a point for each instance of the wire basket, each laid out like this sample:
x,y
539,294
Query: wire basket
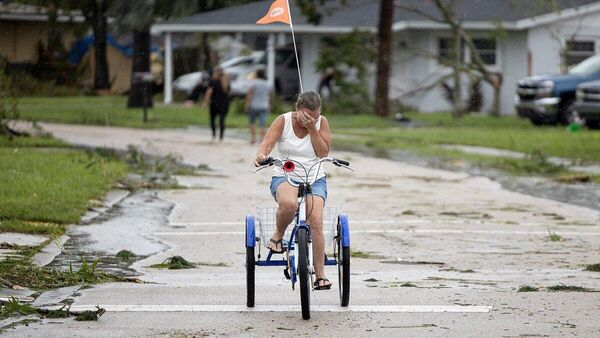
x,y
265,218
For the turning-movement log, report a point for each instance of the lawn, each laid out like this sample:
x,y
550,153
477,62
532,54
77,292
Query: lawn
x,y
47,184
508,133
427,131
112,111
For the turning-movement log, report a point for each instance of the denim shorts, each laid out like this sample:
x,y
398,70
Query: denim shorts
x,y
261,114
319,188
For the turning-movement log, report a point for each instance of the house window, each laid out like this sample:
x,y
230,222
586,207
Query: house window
x,y
577,51
487,50
447,50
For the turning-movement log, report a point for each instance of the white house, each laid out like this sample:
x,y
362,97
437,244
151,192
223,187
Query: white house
x,y
531,41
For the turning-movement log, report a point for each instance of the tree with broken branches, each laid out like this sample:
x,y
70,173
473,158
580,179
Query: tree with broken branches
x,y
449,17
313,10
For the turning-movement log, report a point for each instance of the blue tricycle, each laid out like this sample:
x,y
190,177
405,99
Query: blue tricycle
x,y
297,257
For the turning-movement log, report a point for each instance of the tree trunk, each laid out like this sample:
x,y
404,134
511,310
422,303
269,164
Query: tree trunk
x,y
140,63
206,62
386,13
99,26
457,94
497,85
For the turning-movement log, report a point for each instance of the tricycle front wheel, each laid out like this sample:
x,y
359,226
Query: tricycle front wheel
x,y
343,259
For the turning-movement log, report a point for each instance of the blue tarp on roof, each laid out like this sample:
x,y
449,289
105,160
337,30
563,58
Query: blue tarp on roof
x,y
82,46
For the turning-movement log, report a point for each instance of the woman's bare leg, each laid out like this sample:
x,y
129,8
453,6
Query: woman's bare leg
x,y
314,212
287,198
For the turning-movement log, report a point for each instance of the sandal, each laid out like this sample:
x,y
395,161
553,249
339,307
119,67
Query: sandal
x,y
277,243
325,286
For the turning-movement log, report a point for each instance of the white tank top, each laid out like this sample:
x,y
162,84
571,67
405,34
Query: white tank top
x,y
292,147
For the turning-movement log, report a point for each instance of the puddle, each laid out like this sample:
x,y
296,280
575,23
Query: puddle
x,y
122,227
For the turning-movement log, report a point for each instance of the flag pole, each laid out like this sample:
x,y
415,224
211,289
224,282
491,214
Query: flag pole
x,y
295,48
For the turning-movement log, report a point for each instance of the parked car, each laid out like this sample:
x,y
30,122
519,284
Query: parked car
x,y
550,99
241,71
188,82
194,84
587,105
286,74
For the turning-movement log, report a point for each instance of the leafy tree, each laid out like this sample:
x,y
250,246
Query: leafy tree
x,y
313,10
447,15
348,52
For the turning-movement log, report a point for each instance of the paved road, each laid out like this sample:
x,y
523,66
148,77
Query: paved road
x,y
464,242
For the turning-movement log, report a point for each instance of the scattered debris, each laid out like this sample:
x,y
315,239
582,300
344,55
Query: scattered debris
x,y
372,185
90,315
372,280
458,270
23,272
220,264
174,263
59,313
13,307
563,287
366,255
527,288
409,326
554,216
554,237
572,179
408,285
403,262
125,255
593,267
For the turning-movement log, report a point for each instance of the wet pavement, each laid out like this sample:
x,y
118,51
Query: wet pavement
x,y
444,253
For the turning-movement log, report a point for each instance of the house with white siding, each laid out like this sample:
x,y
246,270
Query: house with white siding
x,y
516,38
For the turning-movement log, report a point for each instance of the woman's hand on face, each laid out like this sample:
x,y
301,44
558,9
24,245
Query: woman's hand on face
x,y
259,158
306,120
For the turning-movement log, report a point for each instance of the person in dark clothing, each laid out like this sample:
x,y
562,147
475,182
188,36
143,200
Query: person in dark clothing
x,y
218,95
325,82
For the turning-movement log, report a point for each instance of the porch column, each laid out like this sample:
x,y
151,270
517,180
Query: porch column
x,y
271,60
168,92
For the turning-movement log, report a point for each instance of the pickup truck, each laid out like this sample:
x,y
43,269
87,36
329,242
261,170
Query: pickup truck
x,y
587,105
550,99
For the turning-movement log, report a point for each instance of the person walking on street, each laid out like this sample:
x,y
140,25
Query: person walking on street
x,y
258,104
218,95
325,82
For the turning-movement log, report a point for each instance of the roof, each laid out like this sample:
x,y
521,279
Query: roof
x,y
24,12
364,14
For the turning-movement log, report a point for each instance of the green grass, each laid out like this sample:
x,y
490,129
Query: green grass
x,y
46,184
111,110
429,131
508,133
23,272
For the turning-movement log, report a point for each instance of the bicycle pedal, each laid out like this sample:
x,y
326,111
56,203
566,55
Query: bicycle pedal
x,y
287,274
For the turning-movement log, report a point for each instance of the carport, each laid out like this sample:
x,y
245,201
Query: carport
x,y
240,20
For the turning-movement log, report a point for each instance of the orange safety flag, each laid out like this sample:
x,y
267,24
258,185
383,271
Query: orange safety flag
x,y
277,13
